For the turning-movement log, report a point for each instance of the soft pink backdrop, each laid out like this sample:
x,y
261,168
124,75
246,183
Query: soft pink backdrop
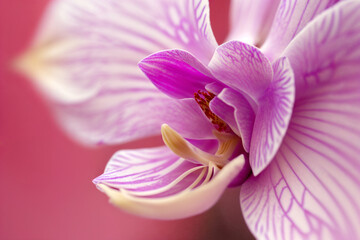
x,y
46,188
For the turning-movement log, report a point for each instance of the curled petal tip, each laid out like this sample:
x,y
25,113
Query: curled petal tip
x,y
37,61
142,63
176,142
28,63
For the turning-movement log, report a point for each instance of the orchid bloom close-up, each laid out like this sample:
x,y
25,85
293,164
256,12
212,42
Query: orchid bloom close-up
x,y
275,109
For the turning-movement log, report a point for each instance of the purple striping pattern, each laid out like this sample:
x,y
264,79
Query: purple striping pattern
x,y
92,72
311,188
304,180
294,103
242,67
291,17
273,116
147,169
327,51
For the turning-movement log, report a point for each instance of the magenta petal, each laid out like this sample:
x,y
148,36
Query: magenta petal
x,y
242,67
215,87
292,16
251,20
85,60
176,73
272,117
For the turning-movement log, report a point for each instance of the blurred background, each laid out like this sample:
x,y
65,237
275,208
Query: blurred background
x,y
46,190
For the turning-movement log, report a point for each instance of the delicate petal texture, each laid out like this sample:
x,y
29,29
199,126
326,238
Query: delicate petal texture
x,y
236,111
147,169
180,114
291,17
273,116
251,20
184,204
311,188
242,67
86,55
176,73
327,50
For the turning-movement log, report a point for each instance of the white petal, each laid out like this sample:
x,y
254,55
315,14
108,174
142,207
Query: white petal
x,y
251,20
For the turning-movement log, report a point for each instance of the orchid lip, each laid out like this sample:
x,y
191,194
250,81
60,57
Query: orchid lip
x,y
182,148
213,175
199,196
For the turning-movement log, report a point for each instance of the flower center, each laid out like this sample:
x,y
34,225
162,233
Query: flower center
x,y
186,150
203,99
211,164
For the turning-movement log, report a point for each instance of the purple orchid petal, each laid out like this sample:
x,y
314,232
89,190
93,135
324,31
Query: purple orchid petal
x,y
242,67
215,87
311,188
292,16
147,169
236,111
327,51
85,59
188,120
139,118
251,20
272,117
176,73
158,184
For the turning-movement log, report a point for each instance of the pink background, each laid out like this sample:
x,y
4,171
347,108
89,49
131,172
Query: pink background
x,y
46,188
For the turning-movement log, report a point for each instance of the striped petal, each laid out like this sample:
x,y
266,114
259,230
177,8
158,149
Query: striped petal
x,y
144,170
242,67
291,17
327,50
272,117
85,59
251,20
311,188
155,183
267,89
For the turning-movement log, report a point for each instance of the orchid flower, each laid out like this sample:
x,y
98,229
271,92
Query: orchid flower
x,y
275,109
